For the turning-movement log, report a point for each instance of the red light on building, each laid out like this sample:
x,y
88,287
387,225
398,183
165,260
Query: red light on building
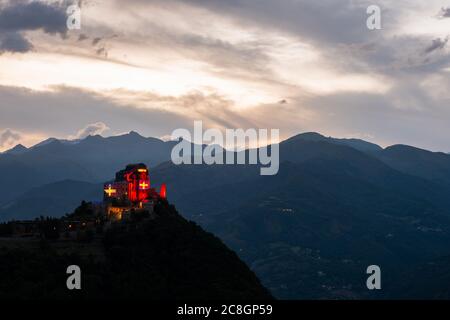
x,y
163,191
132,184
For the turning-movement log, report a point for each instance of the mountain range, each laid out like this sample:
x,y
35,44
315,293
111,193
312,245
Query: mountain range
x,y
335,207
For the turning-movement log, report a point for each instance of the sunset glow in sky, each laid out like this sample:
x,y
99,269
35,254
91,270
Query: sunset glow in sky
x,y
156,65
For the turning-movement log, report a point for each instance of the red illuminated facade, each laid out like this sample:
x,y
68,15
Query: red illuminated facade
x,y
132,187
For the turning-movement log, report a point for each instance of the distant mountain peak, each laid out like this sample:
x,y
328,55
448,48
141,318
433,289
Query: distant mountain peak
x,y
94,137
357,144
135,133
18,149
311,136
45,142
404,147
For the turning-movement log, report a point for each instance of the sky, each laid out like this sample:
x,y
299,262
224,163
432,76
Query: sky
x,y
153,66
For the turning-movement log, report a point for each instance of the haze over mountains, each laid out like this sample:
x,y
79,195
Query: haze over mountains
x,y
335,207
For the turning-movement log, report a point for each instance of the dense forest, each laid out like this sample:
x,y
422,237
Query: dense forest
x,y
166,257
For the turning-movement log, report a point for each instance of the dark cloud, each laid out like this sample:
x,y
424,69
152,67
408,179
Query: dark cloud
x,y
437,44
14,42
20,16
34,15
444,13
8,137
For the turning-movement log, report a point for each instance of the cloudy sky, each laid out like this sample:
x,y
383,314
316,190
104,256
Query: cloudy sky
x,y
156,65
